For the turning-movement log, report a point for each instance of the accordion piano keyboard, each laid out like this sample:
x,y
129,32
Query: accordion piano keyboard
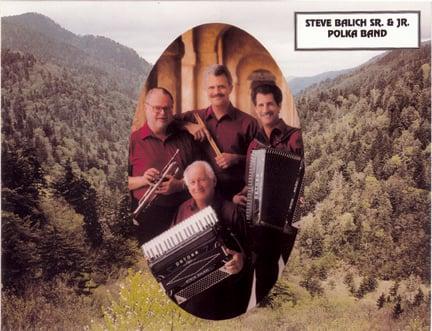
x,y
180,233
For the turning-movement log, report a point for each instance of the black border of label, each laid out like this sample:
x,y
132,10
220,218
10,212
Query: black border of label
x,y
418,12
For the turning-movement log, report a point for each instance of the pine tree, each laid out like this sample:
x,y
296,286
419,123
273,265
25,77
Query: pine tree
x,y
62,253
349,282
419,298
83,198
124,226
23,220
394,290
397,309
381,300
367,285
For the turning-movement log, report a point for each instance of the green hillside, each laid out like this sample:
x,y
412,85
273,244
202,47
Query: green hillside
x,y
362,257
65,206
367,194
38,35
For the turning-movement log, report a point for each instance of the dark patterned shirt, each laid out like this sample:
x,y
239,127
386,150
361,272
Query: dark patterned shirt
x,y
233,133
282,137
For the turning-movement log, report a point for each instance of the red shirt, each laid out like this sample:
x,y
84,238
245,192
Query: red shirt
x,y
282,137
233,133
148,151
228,214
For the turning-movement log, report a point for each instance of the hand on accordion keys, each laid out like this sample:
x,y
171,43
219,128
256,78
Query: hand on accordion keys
x,y
240,199
301,201
235,264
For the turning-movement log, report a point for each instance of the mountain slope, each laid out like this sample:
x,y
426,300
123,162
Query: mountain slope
x,y
37,34
367,147
297,84
66,119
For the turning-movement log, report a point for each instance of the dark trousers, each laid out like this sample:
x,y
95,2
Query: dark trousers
x,y
269,245
225,300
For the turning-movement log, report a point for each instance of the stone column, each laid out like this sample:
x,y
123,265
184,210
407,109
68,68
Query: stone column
x,y
169,71
188,79
288,110
206,38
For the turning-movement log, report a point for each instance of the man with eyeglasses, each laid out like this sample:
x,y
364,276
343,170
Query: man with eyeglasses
x,y
151,148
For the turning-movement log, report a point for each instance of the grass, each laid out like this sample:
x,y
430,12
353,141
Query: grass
x,y
335,310
137,303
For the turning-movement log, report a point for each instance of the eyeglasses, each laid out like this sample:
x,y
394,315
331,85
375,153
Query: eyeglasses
x,y
159,109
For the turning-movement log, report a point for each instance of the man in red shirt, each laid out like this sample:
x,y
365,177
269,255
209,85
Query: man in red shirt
x,y
232,130
230,297
272,247
274,133
151,147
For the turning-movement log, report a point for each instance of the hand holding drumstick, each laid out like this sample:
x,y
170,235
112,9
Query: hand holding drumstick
x,y
209,137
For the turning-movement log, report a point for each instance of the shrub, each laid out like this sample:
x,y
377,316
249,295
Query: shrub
x,y
141,304
367,285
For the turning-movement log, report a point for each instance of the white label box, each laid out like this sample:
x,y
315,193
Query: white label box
x,y
357,30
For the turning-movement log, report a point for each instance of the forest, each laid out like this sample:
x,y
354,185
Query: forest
x,y
368,166
69,259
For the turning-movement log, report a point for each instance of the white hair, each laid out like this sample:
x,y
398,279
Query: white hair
x,y
207,167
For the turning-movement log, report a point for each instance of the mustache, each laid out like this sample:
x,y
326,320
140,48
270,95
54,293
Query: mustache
x,y
267,113
218,95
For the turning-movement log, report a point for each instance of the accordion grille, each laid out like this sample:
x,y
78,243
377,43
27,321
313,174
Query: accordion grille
x,y
201,285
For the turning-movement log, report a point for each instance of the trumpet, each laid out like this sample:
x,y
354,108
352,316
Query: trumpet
x,y
171,168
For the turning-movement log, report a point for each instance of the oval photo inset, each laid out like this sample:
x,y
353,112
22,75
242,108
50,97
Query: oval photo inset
x,y
216,167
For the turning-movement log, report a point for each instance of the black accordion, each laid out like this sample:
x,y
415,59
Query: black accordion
x,y
188,258
274,186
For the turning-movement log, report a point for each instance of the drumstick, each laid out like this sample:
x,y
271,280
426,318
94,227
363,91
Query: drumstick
x,y
209,137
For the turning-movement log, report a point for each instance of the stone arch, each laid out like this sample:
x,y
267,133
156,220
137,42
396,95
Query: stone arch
x,y
181,68
249,64
243,55
208,50
162,73
261,76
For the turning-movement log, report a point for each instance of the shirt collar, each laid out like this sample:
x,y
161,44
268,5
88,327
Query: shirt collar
x,y
216,203
191,205
146,132
278,133
280,128
231,113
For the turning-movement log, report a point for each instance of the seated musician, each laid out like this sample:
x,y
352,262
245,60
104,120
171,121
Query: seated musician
x,y
230,297
272,248
151,147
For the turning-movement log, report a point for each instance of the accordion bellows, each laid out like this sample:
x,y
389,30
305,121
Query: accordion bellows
x,y
274,186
